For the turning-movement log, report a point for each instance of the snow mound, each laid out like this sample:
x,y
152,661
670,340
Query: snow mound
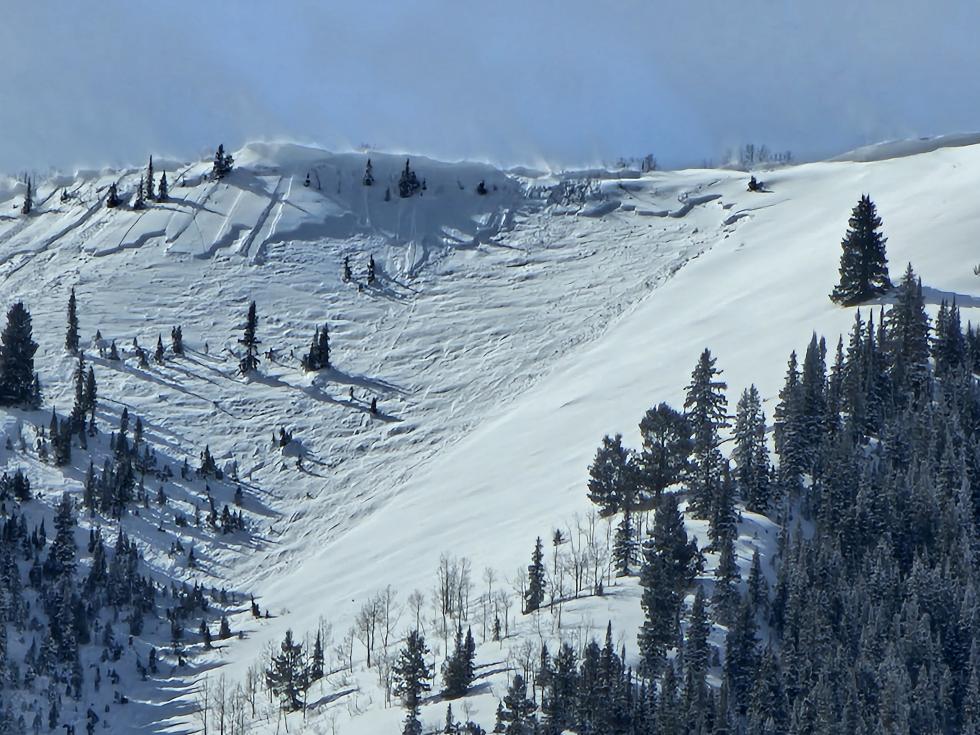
x,y
907,147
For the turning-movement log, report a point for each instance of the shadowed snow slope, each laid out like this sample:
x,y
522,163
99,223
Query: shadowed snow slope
x,y
502,338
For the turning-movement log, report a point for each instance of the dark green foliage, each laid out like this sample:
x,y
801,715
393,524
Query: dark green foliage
x,y
177,340
907,329
750,453
250,360
28,204
71,334
149,179
706,409
412,676
670,563
287,675
139,202
316,659
534,594
725,597
163,190
223,163
18,385
408,183
625,546
667,446
949,346
458,669
318,357
611,476
863,263
518,709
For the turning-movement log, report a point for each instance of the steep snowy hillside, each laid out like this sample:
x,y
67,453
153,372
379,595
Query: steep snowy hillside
x,y
505,333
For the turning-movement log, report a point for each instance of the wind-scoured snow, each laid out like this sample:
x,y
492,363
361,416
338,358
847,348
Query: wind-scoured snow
x,y
505,334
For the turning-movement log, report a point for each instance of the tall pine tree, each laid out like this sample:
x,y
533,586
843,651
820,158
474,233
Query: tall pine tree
x,y
863,263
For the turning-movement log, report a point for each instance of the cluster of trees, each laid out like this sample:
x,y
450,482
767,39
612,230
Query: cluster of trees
x,y
72,604
408,182
223,163
318,357
871,625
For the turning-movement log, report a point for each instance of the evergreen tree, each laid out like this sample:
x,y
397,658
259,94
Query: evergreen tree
x,y
250,360
750,453
345,273
316,661
625,545
112,198
177,340
458,669
71,336
667,445
813,408
149,179
863,263
223,163
670,563
706,409
62,554
725,597
319,355
158,353
408,183
697,652
28,204
518,710
163,190
949,345
788,429
370,269
17,347
907,329
412,676
81,408
140,201
287,675
534,595
368,179
611,477
741,657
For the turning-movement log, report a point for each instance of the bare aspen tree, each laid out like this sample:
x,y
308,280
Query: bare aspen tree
x,y
391,613
202,700
345,649
504,602
489,576
463,587
220,703
366,625
252,679
416,600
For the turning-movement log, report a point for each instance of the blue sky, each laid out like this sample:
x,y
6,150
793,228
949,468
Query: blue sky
x,y
539,81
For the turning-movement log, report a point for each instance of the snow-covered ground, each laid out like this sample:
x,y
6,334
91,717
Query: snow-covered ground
x,y
504,336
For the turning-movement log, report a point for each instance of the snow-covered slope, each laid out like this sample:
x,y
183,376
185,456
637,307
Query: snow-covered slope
x,y
505,335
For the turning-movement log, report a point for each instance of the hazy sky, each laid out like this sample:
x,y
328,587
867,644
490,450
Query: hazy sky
x,y
537,81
